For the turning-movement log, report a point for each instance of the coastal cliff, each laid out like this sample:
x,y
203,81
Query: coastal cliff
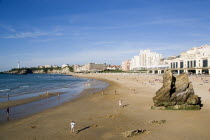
x,y
66,70
18,71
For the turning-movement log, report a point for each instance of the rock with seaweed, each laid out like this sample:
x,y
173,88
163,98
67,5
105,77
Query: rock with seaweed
x,y
176,94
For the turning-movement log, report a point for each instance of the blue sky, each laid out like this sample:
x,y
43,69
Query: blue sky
x,y
38,32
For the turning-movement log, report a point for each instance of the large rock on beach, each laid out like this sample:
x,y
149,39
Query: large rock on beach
x,y
176,93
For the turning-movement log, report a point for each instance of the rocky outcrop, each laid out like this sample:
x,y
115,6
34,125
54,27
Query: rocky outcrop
x,y
19,71
53,71
176,93
39,71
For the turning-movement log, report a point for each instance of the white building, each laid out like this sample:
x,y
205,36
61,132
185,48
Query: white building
x,y
64,65
144,60
55,66
113,67
90,67
48,66
126,65
195,60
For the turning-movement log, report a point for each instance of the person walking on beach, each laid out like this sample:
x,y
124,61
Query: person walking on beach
x,y
8,96
7,111
72,124
120,103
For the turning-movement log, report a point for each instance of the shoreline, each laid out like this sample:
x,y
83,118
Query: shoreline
x,y
103,119
49,100
12,103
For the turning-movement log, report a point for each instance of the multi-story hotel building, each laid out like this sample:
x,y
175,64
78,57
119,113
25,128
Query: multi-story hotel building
x,y
193,61
144,60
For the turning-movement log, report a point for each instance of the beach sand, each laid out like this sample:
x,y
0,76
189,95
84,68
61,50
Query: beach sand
x,y
98,116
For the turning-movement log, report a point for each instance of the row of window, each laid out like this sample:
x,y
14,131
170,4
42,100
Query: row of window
x,y
190,64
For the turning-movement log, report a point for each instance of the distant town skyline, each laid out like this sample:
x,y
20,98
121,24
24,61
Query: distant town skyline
x,y
41,32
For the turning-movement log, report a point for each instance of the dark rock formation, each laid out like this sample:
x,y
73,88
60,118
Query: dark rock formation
x,y
176,93
132,132
19,71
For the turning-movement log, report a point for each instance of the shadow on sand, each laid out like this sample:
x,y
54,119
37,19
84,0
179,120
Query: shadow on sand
x,y
126,105
78,131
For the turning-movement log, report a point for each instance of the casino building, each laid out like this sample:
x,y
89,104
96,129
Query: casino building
x,y
193,61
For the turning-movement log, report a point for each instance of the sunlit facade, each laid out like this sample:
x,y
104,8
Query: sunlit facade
x,y
144,60
193,61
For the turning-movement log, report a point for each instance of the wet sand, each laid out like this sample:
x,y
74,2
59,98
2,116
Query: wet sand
x,y
98,115
12,103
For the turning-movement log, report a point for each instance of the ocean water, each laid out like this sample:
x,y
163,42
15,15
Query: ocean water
x,y
24,86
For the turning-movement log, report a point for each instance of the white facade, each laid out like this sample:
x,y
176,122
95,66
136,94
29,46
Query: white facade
x,y
47,66
144,60
55,66
64,65
113,67
90,67
195,60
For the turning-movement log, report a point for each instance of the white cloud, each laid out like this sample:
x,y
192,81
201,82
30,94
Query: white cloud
x,y
8,28
26,35
31,35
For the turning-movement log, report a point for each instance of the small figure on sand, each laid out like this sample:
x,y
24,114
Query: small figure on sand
x,y
47,93
120,103
72,124
115,92
102,92
8,96
7,111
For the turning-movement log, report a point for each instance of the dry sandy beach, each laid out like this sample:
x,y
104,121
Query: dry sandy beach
x,y
98,116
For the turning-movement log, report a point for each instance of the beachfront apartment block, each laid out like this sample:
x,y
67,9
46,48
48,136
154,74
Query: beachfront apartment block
x,y
90,67
144,60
